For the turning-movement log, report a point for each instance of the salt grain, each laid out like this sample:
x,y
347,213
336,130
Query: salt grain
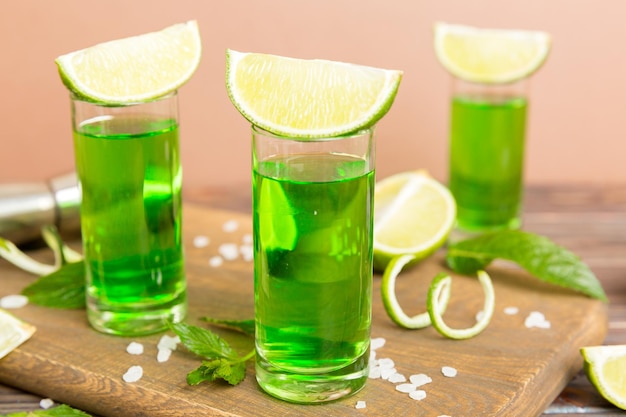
x,y
418,395
247,239
377,343
133,374
13,301
134,348
374,373
448,371
247,252
230,226
420,379
395,378
386,363
511,311
201,241
360,405
537,319
406,388
386,373
163,355
168,342
46,403
229,251
216,261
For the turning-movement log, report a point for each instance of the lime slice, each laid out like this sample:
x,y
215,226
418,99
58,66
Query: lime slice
x,y
414,215
605,367
390,301
136,69
308,98
440,285
490,55
13,332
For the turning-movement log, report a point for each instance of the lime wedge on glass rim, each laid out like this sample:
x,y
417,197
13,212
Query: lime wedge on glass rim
x,y
135,69
308,98
485,55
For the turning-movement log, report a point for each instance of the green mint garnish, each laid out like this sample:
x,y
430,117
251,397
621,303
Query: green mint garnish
x,y
538,255
222,361
63,288
58,411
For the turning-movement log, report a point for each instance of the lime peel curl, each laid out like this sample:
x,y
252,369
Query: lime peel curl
x,y
441,284
390,301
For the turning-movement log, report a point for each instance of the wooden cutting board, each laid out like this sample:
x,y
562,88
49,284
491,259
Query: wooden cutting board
x,y
508,370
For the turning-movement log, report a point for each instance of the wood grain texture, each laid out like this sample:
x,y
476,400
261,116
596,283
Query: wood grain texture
x,y
506,369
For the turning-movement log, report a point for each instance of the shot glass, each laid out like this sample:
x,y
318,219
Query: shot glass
x,y
130,176
487,135
313,234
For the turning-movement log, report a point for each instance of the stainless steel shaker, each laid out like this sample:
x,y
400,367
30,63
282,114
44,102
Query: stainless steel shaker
x,y
26,207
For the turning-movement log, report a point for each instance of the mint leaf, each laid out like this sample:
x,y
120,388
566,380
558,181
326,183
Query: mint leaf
x,y
244,326
203,342
229,371
538,255
63,288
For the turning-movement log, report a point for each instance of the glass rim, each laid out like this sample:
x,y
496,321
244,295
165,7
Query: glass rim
x,y
76,97
361,132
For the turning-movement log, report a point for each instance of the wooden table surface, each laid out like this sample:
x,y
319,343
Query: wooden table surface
x,y
589,220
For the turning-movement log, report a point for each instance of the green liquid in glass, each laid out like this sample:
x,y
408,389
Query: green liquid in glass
x,y
130,176
486,161
313,275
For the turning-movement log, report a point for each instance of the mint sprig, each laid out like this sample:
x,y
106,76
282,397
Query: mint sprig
x,y
58,411
537,254
244,326
222,361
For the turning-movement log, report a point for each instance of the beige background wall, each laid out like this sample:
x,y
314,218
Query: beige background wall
x,y
576,121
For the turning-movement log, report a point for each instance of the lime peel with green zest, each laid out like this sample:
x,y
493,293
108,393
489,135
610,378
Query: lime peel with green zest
x,y
441,284
390,301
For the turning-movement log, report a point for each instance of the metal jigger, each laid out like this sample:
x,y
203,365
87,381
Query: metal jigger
x,y
26,207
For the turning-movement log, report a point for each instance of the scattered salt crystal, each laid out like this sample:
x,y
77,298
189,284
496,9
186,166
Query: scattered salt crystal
x,y
386,363
448,371
216,261
247,252
201,241
374,372
133,374
418,395
385,373
164,354
168,342
13,301
247,239
511,311
537,319
444,415
360,404
406,388
230,226
46,403
420,379
377,343
229,251
134,348
395,378
480,315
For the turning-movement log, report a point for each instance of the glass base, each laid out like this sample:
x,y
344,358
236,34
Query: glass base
x,y
139,321
312,388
